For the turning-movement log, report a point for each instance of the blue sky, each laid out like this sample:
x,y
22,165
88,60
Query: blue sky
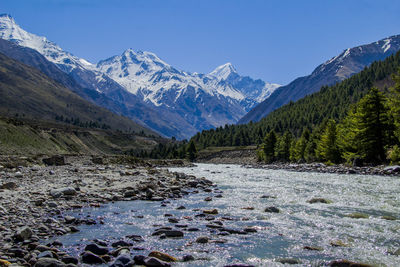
x,y
276,41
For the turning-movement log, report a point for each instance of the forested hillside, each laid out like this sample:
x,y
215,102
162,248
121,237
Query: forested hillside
x,y
355,121
309,112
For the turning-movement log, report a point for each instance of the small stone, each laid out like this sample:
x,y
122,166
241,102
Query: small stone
x,y
346,263
289,261
319,200
313,248
129,193
18,175
173,220
213,211
181,208
187,258
45,254
66,191
272,209
154,262
357,215
173,233
69,219
9,186
162,256
338,243
121,243
208,199
202,240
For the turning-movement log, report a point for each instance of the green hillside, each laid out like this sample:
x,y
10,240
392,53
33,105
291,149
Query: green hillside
x,y
27,93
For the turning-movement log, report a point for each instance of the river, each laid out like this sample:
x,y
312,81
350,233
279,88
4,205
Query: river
x,y
360,222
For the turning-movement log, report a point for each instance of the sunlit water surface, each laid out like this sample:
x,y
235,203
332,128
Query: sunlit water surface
x,y
279,235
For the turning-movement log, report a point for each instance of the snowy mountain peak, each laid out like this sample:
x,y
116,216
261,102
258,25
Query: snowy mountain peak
x,y
224,71
6,16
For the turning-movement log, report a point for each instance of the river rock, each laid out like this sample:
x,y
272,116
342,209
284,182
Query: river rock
x,y
96,249
69,219
208,199
90,258
23,234
154,262
319,200
69,260
187,258
9,186
45,254
122,261
202,240
313,248
121,243
49,262
173,220
139,259
173,233
213,211
162,256
129,193
272,209
65,191
394,168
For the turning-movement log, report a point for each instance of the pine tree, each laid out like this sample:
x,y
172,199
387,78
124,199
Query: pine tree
x,y
327,147
191,151
300,146
367,130
269,146
282,151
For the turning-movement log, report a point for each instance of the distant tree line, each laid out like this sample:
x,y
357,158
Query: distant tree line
x,y
83,124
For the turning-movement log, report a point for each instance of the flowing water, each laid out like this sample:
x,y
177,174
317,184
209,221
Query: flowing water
x,y
280,235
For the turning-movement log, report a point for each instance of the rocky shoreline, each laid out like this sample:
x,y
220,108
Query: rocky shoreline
x,y
382,170
34,199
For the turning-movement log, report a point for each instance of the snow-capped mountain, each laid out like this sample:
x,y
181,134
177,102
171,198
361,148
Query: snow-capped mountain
x,y
347,63
145,74
184,102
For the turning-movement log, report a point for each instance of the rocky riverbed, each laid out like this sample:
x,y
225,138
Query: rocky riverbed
x,y
34,200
